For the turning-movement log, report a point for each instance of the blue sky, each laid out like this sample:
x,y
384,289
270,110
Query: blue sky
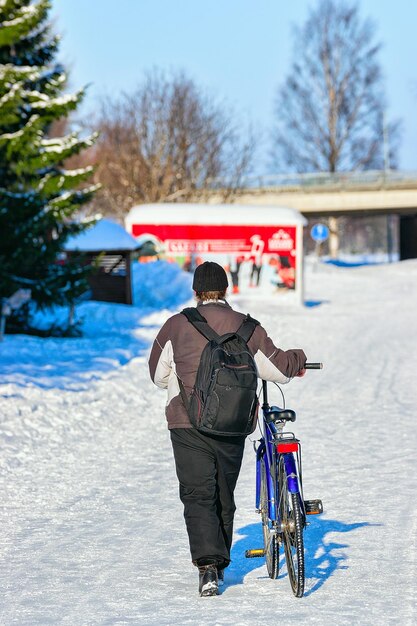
x,y
237,50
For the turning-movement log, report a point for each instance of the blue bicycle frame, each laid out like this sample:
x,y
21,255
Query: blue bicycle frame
x,y
275,444
279,493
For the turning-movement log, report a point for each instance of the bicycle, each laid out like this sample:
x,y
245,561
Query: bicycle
x,y
279,492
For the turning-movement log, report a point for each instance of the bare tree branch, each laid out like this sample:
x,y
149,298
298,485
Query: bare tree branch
x,y
166,141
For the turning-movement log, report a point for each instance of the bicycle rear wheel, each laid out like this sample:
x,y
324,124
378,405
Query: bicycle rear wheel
x,y
292,532
271,543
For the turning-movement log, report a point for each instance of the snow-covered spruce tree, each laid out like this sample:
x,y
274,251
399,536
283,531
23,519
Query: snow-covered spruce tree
x,y
38,196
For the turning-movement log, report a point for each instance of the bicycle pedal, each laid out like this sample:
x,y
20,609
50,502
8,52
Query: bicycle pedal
x,y
313,507
253,554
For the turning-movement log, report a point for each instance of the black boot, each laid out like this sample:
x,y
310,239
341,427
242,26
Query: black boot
x,y
208,581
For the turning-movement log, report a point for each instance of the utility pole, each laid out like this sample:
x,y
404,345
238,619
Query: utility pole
x,y
385,139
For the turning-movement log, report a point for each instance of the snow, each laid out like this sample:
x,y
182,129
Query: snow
x,y
160,284
104,235
46,102
10,95
92,527
21,132
26,72
220,214
34,93
60,145
27,13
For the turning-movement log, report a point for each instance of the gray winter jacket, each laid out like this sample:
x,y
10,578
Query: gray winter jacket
x,y
177,349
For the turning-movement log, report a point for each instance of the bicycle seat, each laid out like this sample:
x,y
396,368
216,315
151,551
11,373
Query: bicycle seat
x,y
275,414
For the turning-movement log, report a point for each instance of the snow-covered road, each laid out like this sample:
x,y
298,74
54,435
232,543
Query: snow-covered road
x,y
92,527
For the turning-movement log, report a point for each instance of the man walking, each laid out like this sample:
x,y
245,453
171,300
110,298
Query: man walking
x,y
207,465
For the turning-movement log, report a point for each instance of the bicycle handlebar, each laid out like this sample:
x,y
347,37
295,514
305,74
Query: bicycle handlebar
x,y
313,366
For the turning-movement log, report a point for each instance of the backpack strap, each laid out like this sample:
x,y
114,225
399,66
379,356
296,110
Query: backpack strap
x,y
183,394
247,328
200,323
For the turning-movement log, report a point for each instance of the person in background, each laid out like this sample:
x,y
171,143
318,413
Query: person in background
x,y
255,275
234,268
188,264
256,255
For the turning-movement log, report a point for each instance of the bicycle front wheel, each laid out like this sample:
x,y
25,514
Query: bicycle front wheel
x,y
271,544
292,532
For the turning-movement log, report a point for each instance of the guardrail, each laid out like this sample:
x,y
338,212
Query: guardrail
x,y
341,180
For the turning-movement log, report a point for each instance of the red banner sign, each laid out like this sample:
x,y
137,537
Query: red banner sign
x,y
250,241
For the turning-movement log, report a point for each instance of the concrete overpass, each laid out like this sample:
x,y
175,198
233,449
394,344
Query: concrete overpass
x,y
321,195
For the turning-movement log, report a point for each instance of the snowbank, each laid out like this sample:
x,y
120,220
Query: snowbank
x,y
156,285
159,284
113,334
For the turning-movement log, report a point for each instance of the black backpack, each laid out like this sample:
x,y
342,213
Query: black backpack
x,y
223,400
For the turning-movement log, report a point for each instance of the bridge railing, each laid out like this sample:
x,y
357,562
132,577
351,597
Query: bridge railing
x,y
374,178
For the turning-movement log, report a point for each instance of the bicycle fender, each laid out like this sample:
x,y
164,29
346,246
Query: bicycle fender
x,y
291,471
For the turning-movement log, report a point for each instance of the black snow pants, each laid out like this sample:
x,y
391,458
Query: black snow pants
x,y
207,469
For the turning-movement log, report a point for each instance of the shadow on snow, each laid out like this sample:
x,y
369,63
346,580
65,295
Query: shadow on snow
x,y
313,303
67,364
323,554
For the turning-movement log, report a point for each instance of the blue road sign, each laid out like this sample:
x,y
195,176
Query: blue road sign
x,y
319,232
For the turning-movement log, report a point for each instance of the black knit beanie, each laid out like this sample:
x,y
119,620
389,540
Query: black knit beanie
x,y
210,276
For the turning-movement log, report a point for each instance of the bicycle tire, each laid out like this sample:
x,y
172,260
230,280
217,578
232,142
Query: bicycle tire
x,y
292,532
271,542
